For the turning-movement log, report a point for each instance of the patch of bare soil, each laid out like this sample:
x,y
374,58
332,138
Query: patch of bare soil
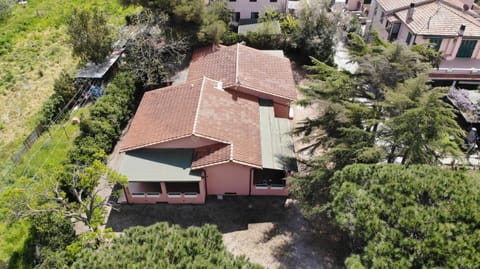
x,y
290,243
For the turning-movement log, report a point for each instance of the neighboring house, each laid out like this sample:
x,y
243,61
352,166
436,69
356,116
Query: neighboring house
x,y
358,5
450,26
248,11
223,132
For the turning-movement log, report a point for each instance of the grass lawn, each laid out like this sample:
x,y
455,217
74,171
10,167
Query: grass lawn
x,y
46,155
33,51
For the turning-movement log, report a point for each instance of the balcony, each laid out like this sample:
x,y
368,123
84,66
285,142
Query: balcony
x,y
457,69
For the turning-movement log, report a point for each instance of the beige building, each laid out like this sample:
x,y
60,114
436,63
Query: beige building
x,y
451,26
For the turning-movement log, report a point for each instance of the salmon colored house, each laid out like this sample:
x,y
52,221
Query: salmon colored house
x,y
223,132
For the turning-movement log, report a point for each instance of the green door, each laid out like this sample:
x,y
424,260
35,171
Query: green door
x,y
466,48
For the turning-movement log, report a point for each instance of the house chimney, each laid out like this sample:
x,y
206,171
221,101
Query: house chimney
x,y
219,85
462,29
411,8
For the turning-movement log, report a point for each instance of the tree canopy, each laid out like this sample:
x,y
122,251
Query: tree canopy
x,y
159,246
408,217
90,35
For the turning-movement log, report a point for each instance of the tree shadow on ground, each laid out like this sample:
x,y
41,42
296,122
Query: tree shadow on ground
x,y
308,247
230,214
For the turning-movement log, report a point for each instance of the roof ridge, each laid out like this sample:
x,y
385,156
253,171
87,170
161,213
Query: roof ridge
x,y
197,111
173,86
460,13
236,64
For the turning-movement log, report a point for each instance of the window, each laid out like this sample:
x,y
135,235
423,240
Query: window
x,y
375,11
262,179
409,38
235,16
253,0
182,187
466,48
436,42
366,2
273,1
232,0
254,15
382,16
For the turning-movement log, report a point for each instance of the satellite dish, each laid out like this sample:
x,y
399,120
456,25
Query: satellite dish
x,y
466,7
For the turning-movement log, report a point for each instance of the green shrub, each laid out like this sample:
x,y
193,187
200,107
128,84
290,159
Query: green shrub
x,y
159,246
106,120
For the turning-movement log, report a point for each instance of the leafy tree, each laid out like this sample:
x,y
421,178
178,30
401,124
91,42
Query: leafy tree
x,y
214,22
426,132
107,118
370,115
189,11
5,6
429,54
64,89
415,217
72,191
50,232
161,246
90,35
316,31
152,59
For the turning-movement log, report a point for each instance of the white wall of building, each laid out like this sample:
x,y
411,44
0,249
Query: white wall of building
x,y
376,20
246,7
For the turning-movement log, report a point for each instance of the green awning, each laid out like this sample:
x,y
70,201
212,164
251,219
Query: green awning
x,y
155,165
277,144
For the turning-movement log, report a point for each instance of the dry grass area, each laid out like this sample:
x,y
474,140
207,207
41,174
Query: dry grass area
x,y
33,51
33,79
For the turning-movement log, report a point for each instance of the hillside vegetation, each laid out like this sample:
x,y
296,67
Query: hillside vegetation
x,y
33,51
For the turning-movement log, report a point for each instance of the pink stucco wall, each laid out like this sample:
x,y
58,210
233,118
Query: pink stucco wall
x,y
354,4
164,197
185,143
376,24
229,177
281,110
245,7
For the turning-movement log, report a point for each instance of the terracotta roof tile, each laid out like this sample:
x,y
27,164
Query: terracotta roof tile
x,y
389,5
163,115
214,62
233,118
210,155
239,65
440,19
199,108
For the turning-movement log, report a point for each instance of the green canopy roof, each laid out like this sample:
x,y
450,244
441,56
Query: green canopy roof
x,y
156,165
277,144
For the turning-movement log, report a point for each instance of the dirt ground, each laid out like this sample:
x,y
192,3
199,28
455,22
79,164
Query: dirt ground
x,y
268,230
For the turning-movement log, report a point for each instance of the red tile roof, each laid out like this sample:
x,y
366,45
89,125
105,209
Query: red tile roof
x,y
233,118
163,115
211,155
199,108
239,65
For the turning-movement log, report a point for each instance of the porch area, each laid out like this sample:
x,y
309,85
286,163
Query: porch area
x,y
161,176
269,182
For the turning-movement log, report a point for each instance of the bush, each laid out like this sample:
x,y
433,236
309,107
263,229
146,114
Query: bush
x,y
160,246
408,217
105,122
64,89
